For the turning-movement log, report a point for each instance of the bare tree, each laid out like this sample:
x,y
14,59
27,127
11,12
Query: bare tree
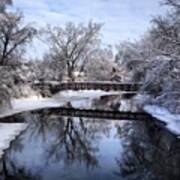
x,y
72,45
14,35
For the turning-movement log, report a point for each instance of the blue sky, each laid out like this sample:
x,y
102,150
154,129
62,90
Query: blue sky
x,y
123,19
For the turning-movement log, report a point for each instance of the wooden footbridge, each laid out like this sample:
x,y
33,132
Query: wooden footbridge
x,y
55,87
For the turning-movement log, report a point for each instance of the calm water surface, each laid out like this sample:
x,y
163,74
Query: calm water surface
x,y
65,148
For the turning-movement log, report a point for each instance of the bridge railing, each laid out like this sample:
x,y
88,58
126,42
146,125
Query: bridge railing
x,y
106,86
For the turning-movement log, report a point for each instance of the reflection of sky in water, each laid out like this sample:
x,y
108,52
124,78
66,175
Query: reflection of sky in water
x,y
41,150
55,148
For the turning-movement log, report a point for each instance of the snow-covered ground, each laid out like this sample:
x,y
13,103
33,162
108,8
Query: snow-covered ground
x,y
8,132
80,99
127,105
83,98
85,93
77,98
172,120
22,105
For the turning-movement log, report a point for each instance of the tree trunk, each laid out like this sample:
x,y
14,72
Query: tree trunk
x,y
70,70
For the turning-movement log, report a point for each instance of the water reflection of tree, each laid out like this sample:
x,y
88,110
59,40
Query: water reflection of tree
x,y
150,153
74,142
16,173
74,139
67,140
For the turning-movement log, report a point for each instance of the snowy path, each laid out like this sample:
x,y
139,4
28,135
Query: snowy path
x,y
8,132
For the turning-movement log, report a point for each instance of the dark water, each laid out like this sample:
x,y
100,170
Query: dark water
x,y
64,148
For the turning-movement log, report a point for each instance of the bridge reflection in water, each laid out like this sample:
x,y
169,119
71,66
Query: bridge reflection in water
x,y
100,114
89,146
55,147
87,113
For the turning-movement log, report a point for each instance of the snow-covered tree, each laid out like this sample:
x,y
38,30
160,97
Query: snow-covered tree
x,y
14,35
6,84
73,44
100,66
50,69
133,57
154,60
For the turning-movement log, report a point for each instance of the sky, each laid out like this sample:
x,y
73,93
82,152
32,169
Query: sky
x,y
122,19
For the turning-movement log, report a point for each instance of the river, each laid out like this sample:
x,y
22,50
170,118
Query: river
x,y
72,148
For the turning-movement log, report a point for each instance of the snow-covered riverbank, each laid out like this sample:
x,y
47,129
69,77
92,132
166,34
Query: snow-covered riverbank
x,y
81,99
77,99
22,105
150,106
8,132
172,120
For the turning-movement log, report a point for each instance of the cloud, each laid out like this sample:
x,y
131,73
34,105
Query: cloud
x,y
127,19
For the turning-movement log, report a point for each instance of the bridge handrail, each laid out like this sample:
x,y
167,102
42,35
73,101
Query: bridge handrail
x,y
106,86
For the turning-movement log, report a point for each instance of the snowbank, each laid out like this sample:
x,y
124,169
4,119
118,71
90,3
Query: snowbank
x,y
86,93
9,131
83,98
148,104
141,99
79,99
161,113
22,105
